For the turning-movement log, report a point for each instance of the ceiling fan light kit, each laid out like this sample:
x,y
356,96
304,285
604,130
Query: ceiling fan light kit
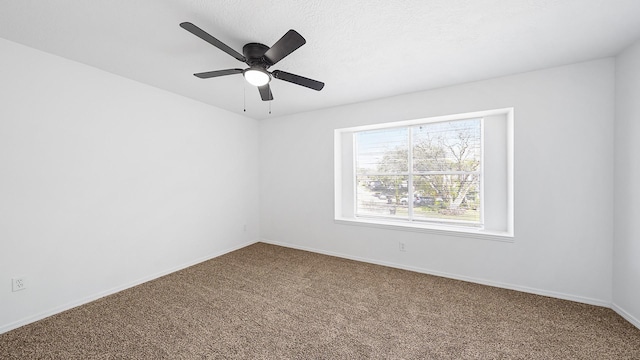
x,y
259,57
256,76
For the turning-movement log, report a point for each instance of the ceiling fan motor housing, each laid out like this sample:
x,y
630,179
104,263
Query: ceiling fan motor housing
x,y
254,53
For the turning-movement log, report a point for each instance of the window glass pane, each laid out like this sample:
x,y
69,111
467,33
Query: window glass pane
x,y
447,146
450,196
382,151
382,196
445,172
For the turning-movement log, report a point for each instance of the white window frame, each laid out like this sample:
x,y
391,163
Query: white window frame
x,y
502,230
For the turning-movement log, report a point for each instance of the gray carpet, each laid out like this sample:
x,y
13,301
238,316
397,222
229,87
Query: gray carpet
x,y
270,302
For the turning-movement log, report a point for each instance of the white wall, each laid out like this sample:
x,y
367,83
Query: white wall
x,y
106,182
563,184
626,256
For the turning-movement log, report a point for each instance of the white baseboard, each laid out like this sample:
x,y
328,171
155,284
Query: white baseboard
x,y
630,318
553,294
88,299
70,305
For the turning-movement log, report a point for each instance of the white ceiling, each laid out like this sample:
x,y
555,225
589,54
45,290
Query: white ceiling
x,y
362,50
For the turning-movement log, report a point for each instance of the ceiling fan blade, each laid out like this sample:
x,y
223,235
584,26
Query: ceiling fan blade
x,y
265,92
211,40
285,46
210,74
298,80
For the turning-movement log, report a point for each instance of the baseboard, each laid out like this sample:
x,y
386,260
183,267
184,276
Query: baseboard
x,y
553,294
94,297
630,318
88,299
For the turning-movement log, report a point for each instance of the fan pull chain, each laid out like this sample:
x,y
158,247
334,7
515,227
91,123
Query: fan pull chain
x,y
244,98
269,107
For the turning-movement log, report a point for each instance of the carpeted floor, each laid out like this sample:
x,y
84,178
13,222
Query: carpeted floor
x,y
270,302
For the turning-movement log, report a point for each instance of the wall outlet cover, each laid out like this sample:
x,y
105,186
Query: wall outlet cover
x,y
18,283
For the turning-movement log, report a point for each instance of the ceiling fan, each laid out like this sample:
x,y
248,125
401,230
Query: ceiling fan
x,y
259,57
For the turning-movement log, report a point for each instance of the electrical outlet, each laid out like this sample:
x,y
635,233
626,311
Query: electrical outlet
x,y
244,228
401,246
18,284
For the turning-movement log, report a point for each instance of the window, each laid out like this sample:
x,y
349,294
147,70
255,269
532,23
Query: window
x,y
451,173
426,172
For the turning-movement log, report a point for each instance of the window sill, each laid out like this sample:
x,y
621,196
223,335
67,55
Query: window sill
x,y
430,228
